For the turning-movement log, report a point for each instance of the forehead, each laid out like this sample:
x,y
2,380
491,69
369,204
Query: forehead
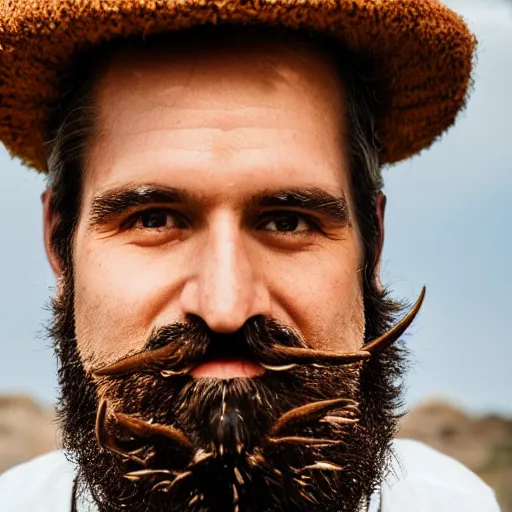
x,y
228,107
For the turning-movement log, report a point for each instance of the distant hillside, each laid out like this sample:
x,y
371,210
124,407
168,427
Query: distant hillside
x,y
484,444
26,430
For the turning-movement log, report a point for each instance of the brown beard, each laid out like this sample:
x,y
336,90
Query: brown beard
x,y
166,441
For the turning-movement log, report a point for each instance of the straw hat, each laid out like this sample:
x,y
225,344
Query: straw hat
x,y
424,52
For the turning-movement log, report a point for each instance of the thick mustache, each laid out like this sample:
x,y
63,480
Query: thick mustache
x,y
273,346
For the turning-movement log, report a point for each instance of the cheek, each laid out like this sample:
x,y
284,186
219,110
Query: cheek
x,y
323,299
116,305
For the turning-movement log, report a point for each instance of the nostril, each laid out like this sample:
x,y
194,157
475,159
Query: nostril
x,y
228,356
224,303
228,346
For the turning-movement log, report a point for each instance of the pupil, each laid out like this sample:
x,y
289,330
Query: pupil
x,y
156,219
288,223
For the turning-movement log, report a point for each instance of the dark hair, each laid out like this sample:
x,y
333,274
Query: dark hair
x,y
72,123
380,381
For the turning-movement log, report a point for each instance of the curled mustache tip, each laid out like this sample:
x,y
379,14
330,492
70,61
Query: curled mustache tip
x,y
388,338
305,356
281,368
139,362
174,373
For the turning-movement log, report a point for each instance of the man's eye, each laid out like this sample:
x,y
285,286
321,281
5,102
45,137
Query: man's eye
x,y
154,219
287,223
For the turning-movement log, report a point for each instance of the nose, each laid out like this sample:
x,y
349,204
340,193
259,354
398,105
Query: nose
x,y
227,287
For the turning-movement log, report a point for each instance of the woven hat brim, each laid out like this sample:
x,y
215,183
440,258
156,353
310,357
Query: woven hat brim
x,y
424,52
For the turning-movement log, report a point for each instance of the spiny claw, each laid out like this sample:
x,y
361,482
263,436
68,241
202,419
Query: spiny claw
x,y
141,428
238,476
324,466
168,485
297,440
107,441
339,420
162,486
137,475
99,430
308,413
201,456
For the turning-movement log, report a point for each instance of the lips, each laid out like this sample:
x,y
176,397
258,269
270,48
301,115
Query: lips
x,y
227,361
227,369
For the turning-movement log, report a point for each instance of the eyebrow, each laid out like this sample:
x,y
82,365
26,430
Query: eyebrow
x,y
115,202
332,206
112,203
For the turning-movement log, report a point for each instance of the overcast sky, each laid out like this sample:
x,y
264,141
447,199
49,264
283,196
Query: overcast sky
x,y
448,226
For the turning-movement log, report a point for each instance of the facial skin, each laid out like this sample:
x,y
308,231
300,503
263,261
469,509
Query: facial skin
x,y
215,192
225,129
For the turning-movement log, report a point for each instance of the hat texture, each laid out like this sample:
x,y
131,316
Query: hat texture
x,y
423,51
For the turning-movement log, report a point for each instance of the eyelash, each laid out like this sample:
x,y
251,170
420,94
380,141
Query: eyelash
x,y
314,225
130,222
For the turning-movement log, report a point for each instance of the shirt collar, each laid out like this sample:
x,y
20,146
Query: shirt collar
x,y
84,503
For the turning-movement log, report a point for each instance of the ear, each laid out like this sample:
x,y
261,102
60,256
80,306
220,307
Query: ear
x,y
381,208
50,219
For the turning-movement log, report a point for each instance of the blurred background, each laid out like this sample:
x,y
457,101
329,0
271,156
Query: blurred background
x,y
448,225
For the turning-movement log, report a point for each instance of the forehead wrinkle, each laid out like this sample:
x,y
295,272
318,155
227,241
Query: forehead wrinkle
x,y
123,104
196,70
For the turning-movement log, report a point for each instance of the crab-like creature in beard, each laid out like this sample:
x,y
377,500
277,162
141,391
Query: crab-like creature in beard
x,y
284,440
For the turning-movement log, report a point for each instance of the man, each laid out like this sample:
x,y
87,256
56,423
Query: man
x,y
214,216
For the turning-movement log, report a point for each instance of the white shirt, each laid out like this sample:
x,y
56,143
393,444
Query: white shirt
x,y
421,480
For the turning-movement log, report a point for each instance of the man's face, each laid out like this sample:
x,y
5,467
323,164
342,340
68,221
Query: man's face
x,y
186,205
217,226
